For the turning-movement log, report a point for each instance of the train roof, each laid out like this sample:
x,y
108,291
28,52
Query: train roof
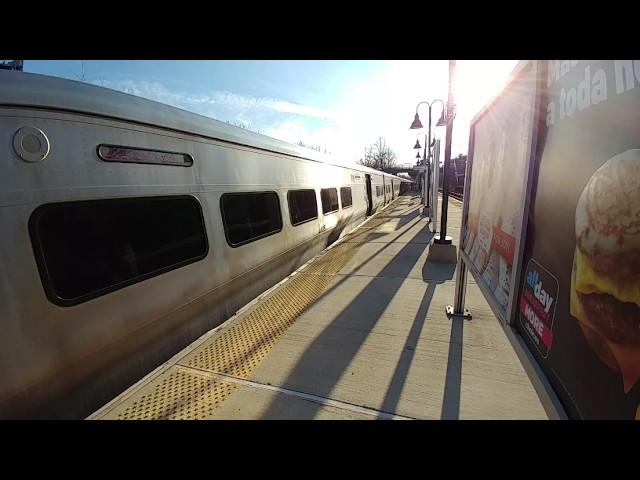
x,y
21,89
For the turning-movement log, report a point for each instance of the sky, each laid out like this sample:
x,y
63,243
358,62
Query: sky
x,y
341,106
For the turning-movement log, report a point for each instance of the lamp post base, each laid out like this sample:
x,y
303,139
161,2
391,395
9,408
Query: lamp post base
x,y
447,240
465,315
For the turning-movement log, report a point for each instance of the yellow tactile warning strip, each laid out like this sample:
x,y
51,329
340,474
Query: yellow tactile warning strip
x,y
237,349
241,348
178,396
361,235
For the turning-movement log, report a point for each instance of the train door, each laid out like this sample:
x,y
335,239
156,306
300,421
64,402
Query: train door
x,y
369,197
393,192
384,191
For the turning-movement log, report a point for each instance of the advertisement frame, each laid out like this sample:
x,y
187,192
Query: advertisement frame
x,y
507,318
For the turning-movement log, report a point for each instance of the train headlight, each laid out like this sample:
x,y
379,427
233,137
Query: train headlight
x,y
31,144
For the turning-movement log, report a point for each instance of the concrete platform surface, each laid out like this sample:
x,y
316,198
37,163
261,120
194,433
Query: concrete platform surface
x,y
358,333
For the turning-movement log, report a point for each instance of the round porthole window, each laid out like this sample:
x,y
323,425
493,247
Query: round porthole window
x,y
31,144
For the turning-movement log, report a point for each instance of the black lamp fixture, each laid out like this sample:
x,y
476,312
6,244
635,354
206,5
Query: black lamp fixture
x,y
417,145
417,124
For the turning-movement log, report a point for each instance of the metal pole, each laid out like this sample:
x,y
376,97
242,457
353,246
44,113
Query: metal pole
x,y
427,157
460,288
443,239
428,165
424,185
457,310
434,197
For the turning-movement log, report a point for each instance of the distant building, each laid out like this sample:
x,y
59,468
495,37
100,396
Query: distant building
x,y
11,65
458,172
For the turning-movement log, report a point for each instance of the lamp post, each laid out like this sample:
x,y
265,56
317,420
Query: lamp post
x,y
451,113
426,168
417,146
419,186
417,124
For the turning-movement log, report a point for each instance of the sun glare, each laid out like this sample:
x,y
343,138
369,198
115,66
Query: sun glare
x,y
478,81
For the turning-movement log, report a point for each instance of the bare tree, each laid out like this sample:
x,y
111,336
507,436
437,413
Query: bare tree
x,y
368,160
82,77
237,124
379,155
317,148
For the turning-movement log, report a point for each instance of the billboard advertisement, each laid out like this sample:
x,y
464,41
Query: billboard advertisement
x,y
578,305
499,161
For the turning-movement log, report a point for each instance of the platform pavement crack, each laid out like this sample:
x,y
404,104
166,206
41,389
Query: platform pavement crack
x,y
303,395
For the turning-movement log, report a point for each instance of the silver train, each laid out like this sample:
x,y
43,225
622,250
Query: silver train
x,y
129,228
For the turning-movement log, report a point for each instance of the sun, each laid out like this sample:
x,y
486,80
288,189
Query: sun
x,y
478,81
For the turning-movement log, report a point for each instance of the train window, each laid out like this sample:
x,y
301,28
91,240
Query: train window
x,y
89,248
250,216
303,206
345,196
378,191
329,198
113,153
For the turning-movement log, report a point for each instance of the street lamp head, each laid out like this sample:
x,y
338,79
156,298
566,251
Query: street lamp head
x,y
442,121
418,155
417,145
416,123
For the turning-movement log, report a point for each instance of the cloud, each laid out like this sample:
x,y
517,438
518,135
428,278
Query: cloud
x,y
216,103
151,90
380,105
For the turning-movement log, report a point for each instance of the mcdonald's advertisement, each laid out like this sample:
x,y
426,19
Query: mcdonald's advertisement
x,y
579,291
500,159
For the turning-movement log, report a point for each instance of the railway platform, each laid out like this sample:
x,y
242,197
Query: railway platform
x,y
359,332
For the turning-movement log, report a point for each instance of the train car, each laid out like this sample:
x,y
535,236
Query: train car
x,y
130,228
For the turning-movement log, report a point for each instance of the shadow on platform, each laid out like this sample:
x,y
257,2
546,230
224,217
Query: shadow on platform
x,y
327,358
